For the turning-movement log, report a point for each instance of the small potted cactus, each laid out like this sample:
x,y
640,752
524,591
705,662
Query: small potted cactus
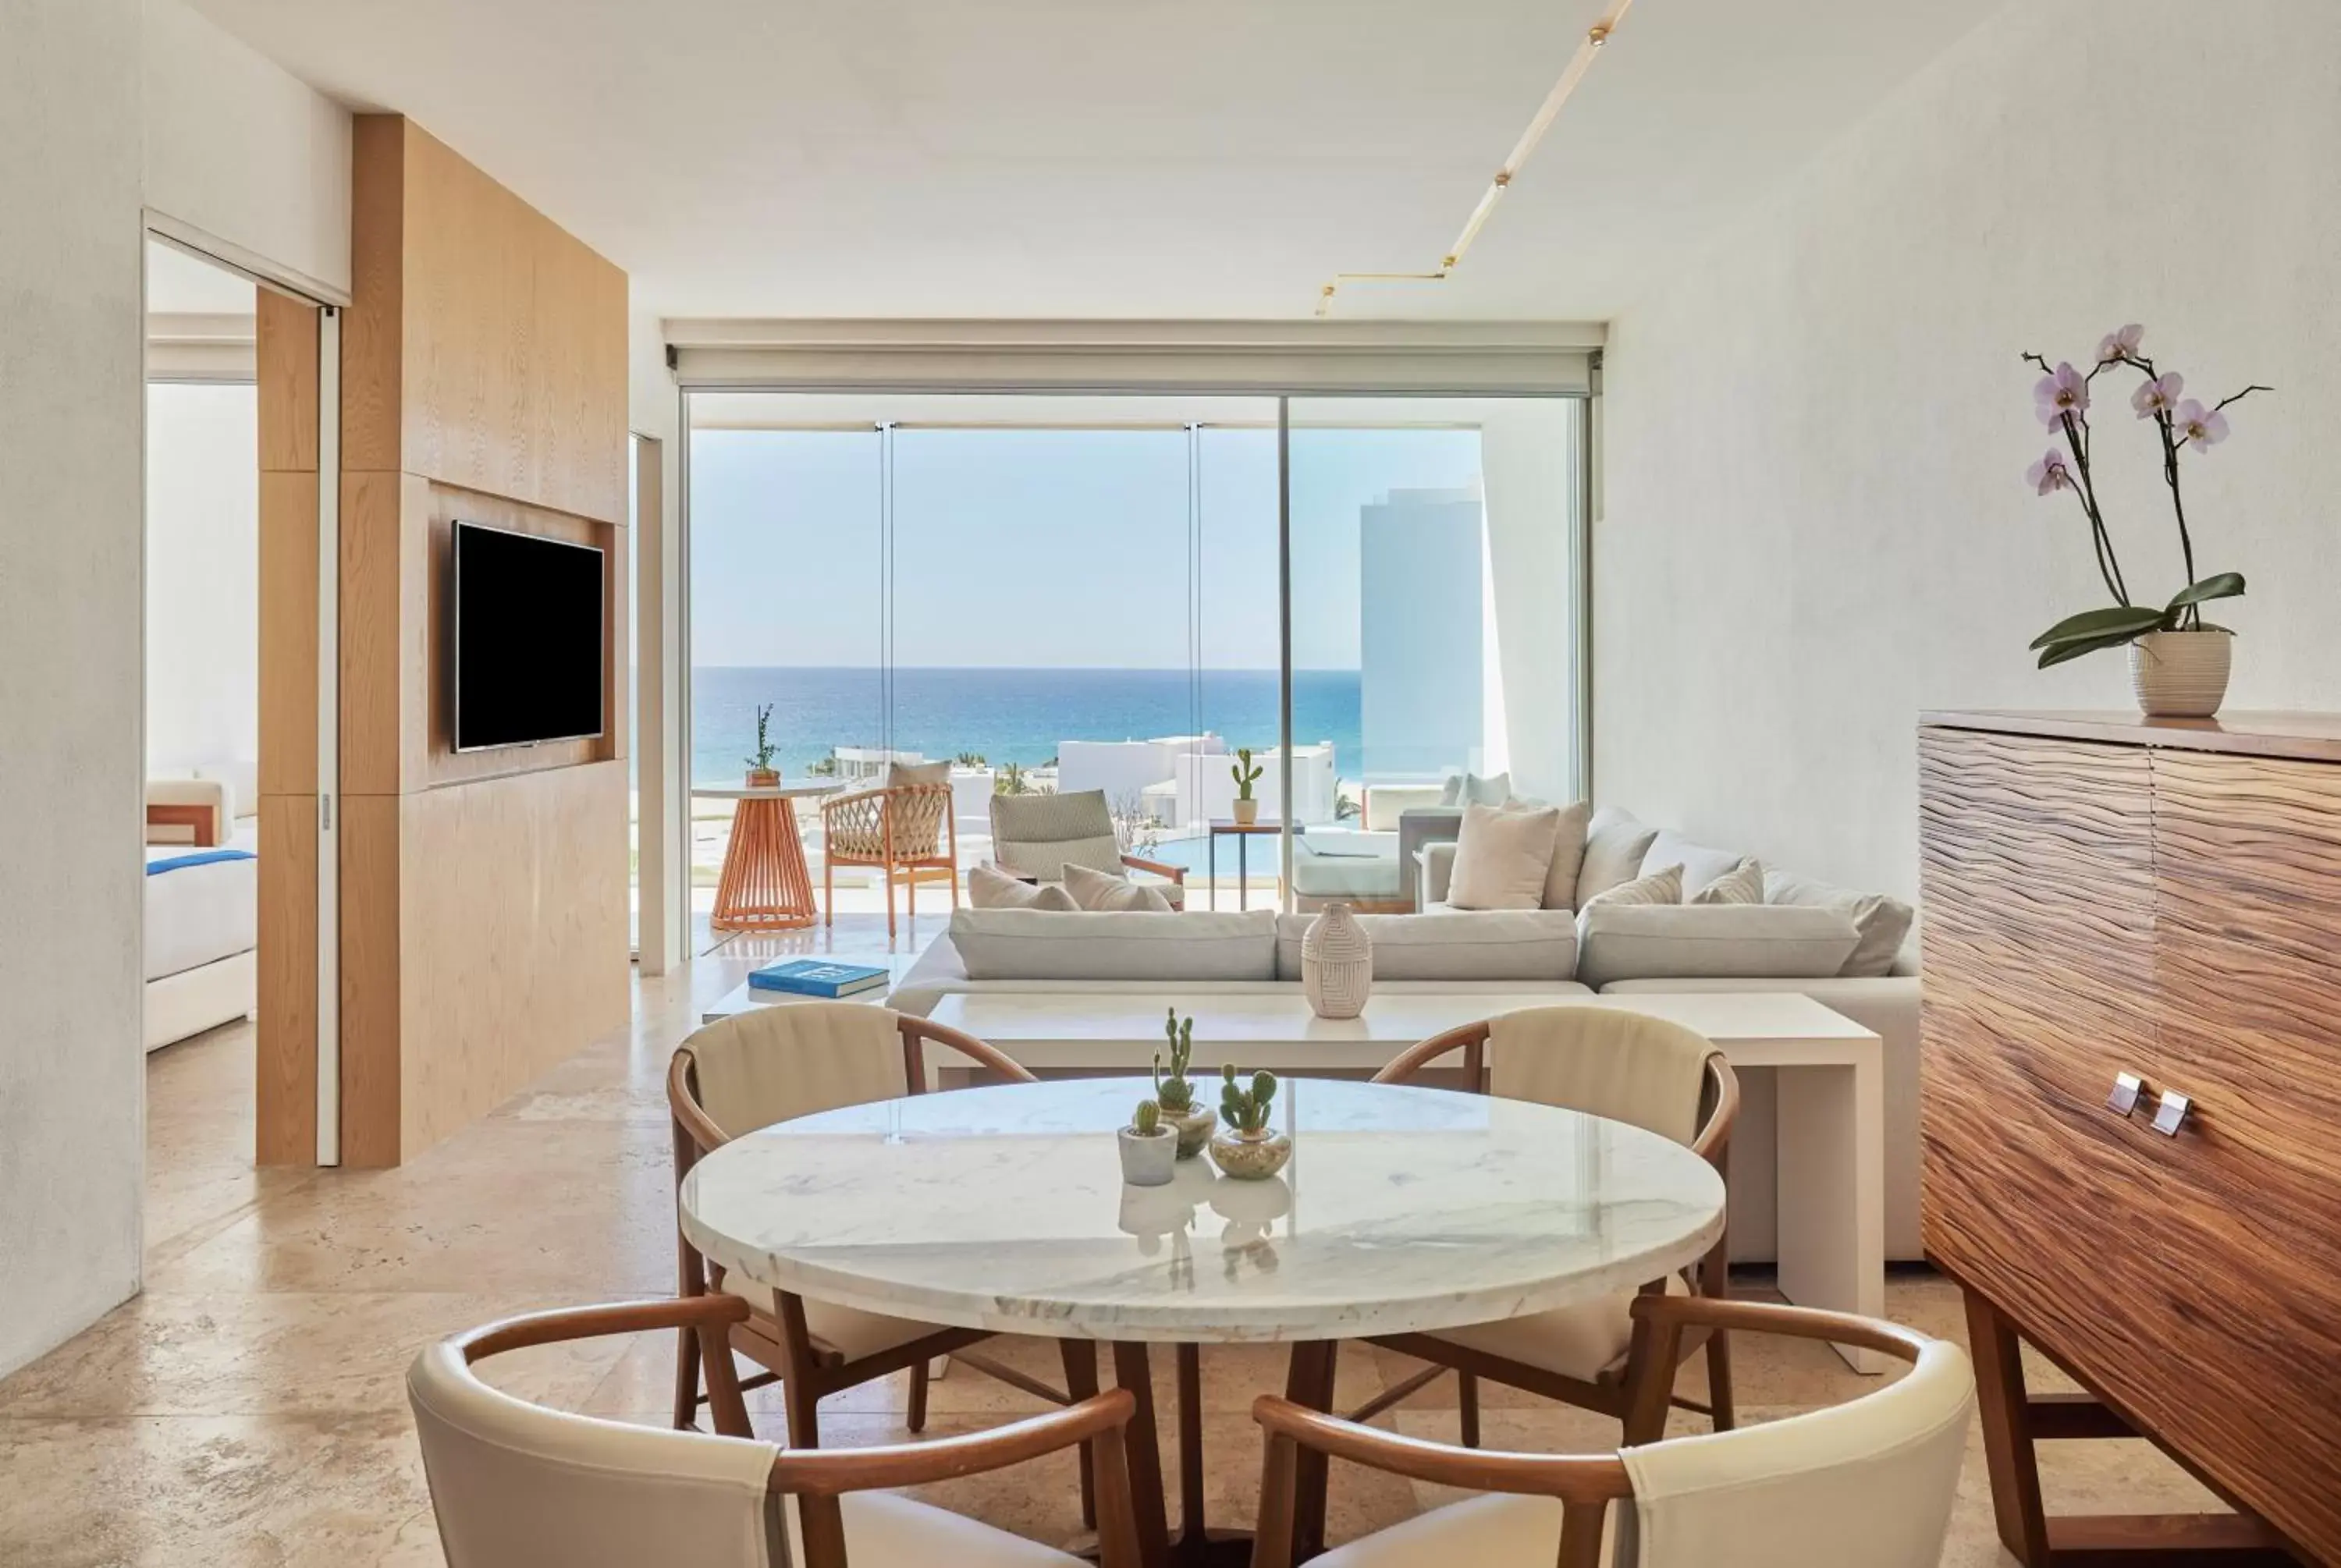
x,y
1246,773
1194,1123
1248,1149
1150,1149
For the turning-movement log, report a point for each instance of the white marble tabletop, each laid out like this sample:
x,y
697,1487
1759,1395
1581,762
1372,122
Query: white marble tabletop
x,y
1403,1210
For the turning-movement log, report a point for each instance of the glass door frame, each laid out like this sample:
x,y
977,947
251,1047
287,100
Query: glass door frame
x,y
1580,503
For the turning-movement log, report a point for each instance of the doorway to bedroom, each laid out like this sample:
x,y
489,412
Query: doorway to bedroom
x,y
240,896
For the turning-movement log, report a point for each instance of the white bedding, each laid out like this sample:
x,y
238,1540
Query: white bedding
x,y
197,915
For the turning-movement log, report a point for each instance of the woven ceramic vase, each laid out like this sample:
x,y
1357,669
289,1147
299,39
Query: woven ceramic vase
x,y
2180,674
1336,963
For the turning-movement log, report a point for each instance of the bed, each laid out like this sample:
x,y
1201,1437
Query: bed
x,y
201,927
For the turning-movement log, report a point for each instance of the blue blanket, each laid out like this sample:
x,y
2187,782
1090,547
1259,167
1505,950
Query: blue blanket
x,y
199,857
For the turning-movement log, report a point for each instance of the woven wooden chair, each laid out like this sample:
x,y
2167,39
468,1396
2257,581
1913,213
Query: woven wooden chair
x,y
791,1059
906,830
513,1482
1630,1067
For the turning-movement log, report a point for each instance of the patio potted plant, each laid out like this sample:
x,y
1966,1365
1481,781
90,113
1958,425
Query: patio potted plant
x,y
1246,773
1248,1149
762,774
1175,1095
1149,1150
2179,661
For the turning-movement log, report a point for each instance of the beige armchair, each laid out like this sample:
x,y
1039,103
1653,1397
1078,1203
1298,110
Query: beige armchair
x,y
513,1482
1656,1075
1871,1482
1036,836
905,829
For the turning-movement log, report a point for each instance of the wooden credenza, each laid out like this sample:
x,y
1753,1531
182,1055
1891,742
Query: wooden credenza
x,y
2109,896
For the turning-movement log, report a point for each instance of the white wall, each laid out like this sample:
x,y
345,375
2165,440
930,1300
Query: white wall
x,y
72,1151
1816,524
241,150
202,577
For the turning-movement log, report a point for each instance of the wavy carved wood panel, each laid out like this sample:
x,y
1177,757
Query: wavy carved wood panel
x,y
2092,907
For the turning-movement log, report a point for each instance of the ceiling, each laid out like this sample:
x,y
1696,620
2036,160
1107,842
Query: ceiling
x,y
1113,158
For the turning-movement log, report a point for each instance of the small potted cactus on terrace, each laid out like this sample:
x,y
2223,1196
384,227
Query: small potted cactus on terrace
x,y
1175,1095
1246,773
1150,1147
1249,1149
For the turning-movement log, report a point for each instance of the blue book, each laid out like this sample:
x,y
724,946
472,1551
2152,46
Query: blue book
x,y
811,978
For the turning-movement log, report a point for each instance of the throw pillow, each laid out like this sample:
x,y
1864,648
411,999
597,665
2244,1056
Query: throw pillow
x,y
1501,857
1883,923
1615,844
1103,891
1743,884
1657,887
988,887
1567,857
900,773
1471,790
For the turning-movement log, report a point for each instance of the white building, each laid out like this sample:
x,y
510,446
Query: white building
x,y
1130,770
1204,787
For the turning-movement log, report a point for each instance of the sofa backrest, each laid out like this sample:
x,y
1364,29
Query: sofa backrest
x,y
1116,944
1484,945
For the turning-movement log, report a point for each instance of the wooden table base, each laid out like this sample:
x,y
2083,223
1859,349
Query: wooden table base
x,y
1197,1545
764,885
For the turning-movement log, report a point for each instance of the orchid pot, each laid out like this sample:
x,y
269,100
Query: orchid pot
x,y
2181,674
2179,661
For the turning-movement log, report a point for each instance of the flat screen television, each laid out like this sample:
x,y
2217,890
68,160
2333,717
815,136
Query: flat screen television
x,y
529,619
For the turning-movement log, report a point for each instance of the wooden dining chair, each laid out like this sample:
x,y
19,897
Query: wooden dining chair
x,y
1871,1482
1630,1067
513,1482
791,1059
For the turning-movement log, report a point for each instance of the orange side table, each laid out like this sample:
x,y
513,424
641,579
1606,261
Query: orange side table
x,y
764,886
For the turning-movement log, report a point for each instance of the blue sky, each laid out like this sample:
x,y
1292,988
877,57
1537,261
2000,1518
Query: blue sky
x,y
1037,548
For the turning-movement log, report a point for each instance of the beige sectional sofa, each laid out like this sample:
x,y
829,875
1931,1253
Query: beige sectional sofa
x,y
1494,953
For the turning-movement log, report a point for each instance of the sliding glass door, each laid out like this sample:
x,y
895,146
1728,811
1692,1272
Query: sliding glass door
x,y
1077,594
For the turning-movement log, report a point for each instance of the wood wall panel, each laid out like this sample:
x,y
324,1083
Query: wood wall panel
x,y
373,972
516,345
288,632
284,360
286,1081
515,936
373,363
2098,907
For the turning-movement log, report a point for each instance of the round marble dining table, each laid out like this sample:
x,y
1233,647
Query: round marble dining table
x,y
1403,1210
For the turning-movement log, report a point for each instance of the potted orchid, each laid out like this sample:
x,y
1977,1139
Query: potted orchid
x,y
2179,661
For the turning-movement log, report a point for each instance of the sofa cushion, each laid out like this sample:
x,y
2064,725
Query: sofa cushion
x,y
988,887
1884,923
1471,790
1615,844
1640,941
1453,945
1701,864
1116,945
1650,888
1567,857
900,774
1501,857
1743,884
1103,891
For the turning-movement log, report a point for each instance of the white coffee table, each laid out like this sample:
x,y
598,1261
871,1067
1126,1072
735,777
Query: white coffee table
x,y
1831,1146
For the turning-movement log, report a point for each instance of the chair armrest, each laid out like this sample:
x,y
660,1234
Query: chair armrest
x,y
1675,1313
554,1328
1435,864
1469,1039
829,1471
1175,873
1580,1477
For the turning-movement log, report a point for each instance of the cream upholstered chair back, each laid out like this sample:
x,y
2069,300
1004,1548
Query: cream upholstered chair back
x,y
1871,1482
1606,1061
514,1483
772,1063
1038,835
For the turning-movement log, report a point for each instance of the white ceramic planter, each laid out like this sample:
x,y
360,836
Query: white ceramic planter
x,y
1247,812
1336,963
1148,1161
2180,674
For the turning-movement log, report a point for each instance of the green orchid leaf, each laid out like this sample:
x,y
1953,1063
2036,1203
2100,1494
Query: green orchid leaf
x,y
2225,585
2059,652
2125,621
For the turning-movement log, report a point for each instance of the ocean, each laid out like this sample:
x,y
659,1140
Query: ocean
x,y
1003,715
